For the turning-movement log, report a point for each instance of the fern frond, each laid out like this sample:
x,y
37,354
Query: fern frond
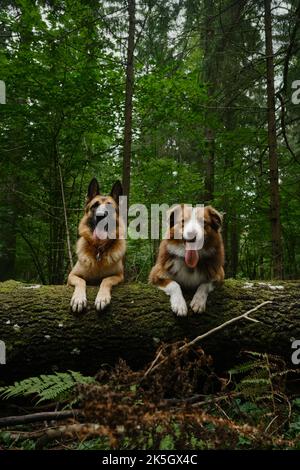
x,y
246,367
254,381
46,387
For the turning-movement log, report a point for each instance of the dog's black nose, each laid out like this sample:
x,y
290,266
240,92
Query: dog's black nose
x,y
101,216
190,240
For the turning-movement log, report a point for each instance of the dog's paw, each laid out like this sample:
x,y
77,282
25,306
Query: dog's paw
x,y
178,305
198,303
78,302
102,301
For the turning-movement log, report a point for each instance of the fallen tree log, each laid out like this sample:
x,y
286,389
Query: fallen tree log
x,y
42,336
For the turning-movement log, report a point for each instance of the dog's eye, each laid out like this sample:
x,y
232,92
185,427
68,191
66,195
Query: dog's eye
x,y
94,206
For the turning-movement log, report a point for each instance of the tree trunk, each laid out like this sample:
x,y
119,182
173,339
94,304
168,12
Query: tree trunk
x,y
56,256
231,67
128,100
209,167
272,143
234,244
42,336
8,219
209,76
63,200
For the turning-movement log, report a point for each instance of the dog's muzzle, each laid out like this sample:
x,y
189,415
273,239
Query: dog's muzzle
x,y
190,239
103,218
101,215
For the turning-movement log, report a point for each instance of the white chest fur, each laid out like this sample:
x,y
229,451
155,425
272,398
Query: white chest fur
x,y
186,277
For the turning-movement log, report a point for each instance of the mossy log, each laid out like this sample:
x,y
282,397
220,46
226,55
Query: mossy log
x,y
41,335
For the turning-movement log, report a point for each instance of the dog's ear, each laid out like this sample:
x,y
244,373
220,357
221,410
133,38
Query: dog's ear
x,y
93,190
216,218
116,191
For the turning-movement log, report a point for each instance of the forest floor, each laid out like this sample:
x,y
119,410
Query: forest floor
x,y
176,403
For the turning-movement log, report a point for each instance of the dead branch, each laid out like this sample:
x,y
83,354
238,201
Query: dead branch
x,y
208,333
37,417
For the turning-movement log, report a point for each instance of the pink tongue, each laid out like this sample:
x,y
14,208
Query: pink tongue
x,y
99,234
191,258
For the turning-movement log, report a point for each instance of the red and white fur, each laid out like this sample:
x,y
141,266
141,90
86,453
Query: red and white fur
x,y
182,264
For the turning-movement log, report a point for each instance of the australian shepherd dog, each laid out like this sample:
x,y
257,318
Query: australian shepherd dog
x,y
191,256
100,248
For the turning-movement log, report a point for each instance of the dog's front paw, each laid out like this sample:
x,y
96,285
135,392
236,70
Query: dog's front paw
x,y
198,303
102,301
179,306
78,302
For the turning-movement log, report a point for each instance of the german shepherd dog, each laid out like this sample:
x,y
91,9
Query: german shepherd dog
x,y
181,264
100,248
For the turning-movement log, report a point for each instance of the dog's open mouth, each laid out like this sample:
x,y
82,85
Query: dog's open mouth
x,y
102,220
100,232
191,255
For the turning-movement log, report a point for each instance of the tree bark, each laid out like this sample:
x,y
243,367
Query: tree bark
x,y
8,218
209,76
42,336
63,199
273,153
209,167
128,100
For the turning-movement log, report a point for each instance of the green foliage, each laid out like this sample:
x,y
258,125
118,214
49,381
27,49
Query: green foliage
x,y
62,63
255,377
133,417
167,443
93,444
46,387
9,443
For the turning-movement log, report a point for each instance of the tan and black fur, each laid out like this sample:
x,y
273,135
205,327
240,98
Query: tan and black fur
x,y
171,273
100,261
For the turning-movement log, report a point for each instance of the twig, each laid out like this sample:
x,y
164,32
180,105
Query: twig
x,y
222,411
44,436
153,364
16,435
194,400
270,423
71,431
36,417
181,401
223,325
214,330
283,129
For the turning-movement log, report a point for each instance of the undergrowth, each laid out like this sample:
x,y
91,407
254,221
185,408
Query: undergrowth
x,y
177,402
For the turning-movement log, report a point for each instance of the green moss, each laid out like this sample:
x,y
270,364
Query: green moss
x,y
8,286
233,283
